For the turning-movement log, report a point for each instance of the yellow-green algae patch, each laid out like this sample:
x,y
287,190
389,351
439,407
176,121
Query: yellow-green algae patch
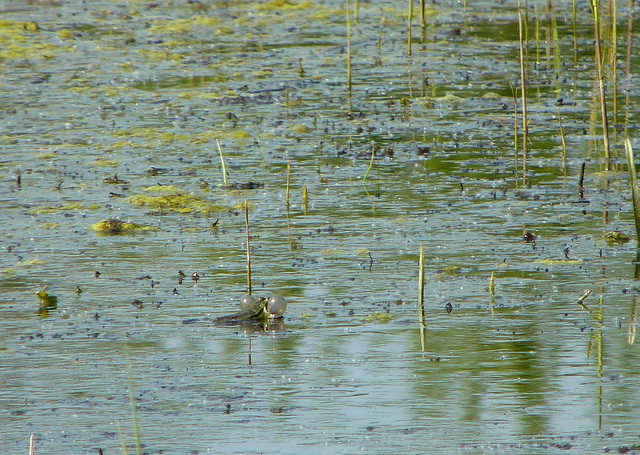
x,y
56,209
113,226
103,162
50,225
175,201
382,318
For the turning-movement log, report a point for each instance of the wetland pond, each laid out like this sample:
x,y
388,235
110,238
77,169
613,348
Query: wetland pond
x,y
113,200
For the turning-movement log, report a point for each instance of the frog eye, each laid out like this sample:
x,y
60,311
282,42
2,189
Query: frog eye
x,y
247,302
276,305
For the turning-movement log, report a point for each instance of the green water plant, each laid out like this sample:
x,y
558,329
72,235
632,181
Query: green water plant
x,y
224,168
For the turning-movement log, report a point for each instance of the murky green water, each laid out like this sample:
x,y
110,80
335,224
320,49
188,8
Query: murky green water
x,y
142,90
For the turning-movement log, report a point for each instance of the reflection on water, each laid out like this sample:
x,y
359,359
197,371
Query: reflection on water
x,y
105,104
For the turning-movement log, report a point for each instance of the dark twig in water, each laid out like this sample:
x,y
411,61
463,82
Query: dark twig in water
x,y
581,182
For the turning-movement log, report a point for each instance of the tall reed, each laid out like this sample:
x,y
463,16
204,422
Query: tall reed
x,y
601,84
613,62
628,75
409,27
421,312
634,185
224,169
523,88
348,50
575,33
288,181
246,219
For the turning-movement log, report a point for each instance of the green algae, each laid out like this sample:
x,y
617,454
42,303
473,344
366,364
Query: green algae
x,y
172,200
113,226
382,318
68,207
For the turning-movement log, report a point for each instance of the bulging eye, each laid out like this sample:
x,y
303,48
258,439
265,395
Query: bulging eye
x,y
276,306
247,302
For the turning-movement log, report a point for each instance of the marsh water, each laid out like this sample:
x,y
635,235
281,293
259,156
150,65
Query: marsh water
x,y
111,111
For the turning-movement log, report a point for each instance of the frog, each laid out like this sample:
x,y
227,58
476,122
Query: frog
x,y
256,309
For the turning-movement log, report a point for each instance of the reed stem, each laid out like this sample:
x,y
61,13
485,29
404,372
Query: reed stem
x,y
224,169
288,180
348,50
421,312
575,34
614,61
633,180
305,199
373,153
523,84
246,219
286,101
409,28
601,86
492,285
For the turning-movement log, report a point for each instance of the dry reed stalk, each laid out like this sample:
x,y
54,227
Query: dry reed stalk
x,y
523,83
348,50
515,130
575,34
305,199
613,62
628,75
601,85
409,28
379,62
286,101
633,180
246,219
288,180
224,169
421,312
